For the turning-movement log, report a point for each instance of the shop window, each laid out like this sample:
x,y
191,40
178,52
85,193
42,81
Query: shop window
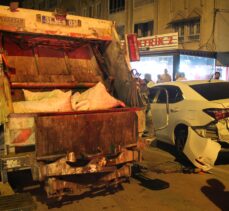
x,y
144,29
116,6
121,31
194,31
153,65
197,67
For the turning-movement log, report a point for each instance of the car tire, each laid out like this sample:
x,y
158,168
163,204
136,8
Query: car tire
x,y
181,134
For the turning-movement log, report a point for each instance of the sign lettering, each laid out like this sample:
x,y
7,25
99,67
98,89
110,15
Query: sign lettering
x,y
158,42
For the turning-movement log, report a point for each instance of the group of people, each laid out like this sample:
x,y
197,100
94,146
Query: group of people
x,y
180,76
147,82
166,77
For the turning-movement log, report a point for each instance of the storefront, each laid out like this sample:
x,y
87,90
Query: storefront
x,y
158,53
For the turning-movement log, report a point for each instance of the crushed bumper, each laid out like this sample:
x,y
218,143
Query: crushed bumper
x,y
223,130
202,152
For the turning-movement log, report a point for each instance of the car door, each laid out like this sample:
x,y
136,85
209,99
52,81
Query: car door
x,y
159,110
165,110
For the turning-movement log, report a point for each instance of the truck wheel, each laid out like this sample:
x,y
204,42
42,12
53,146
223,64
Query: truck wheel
x,y
181,134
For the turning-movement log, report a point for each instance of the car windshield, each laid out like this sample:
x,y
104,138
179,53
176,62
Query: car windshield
x,y
213,91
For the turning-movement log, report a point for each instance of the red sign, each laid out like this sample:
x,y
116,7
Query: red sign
x,y
133,47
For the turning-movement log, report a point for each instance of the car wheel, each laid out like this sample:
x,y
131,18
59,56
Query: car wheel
x,y
181,134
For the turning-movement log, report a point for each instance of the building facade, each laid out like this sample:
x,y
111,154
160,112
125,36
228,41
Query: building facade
x,y
202,27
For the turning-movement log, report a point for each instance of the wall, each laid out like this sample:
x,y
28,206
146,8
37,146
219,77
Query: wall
x,y
222,26
164,11
143,13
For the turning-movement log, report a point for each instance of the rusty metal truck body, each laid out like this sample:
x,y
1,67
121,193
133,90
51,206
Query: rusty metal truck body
x,y
63,149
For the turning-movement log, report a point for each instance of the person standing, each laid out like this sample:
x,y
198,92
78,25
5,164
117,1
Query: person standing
x,y
181,77
217,75
158,79
166,77
148,81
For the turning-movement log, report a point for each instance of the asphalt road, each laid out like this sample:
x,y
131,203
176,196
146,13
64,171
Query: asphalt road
x,y
162,186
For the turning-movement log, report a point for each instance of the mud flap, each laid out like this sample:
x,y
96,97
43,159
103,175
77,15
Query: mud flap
x,y
202,152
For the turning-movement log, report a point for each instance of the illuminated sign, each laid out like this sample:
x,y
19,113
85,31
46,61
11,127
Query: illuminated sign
x,y
158,42
54,21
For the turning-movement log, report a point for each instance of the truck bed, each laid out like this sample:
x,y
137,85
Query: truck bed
x,y
82,132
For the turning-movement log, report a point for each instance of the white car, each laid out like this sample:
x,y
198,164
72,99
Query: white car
x,y
194,116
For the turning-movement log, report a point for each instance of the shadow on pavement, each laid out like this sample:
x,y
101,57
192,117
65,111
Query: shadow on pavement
x,y
223,158
215,191
152,184
58,203
140,173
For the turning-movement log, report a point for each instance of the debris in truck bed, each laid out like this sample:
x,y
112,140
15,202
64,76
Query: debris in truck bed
x,y
32,96
44,103
94,98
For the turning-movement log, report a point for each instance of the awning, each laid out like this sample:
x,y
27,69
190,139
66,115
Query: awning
x,y
184,20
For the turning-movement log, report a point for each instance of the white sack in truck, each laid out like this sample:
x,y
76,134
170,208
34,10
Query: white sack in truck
x,y
94,98
31,96
58,103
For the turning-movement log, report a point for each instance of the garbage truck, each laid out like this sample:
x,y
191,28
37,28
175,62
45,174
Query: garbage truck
x,y
67,150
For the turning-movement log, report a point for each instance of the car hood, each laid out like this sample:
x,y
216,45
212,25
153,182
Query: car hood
x,y
224,102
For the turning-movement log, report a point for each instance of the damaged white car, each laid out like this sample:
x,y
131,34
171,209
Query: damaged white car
x,y
194,116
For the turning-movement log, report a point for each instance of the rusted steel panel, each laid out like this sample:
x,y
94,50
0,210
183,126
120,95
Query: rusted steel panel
x,y
85,133
52,85
62,66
